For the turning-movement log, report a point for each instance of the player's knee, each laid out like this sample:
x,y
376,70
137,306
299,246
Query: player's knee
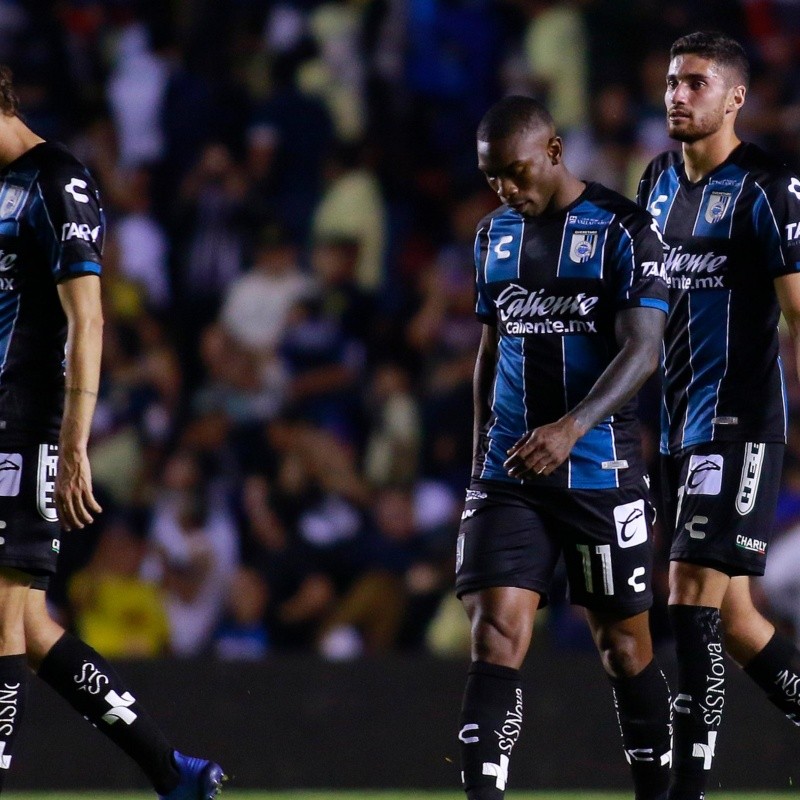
x,y
498,640
622,655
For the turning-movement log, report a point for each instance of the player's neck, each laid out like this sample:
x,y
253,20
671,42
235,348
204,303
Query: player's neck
x,y
16,138
568,192
705,155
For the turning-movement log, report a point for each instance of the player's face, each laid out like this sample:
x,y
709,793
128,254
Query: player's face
x,y
699,95
522,169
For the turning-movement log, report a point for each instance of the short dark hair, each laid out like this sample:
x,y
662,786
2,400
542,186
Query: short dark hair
x,y
513,114
716,47
9,102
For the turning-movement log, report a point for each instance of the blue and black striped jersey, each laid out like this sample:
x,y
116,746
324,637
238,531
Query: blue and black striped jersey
x,y
552,285
51,229
727,238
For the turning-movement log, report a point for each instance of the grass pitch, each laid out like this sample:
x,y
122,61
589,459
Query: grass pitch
x,y
232,794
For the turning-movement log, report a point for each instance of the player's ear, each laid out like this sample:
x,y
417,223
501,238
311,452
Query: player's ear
x,y
736,97
555,150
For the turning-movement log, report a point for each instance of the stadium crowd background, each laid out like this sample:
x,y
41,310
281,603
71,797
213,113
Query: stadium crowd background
x,y
283,435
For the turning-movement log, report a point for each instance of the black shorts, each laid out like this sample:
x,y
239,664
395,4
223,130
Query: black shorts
x,y
513,535
720,500
30,535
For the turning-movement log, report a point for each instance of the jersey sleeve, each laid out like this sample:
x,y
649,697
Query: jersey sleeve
x,y
638,264
776,219
485,309
69,222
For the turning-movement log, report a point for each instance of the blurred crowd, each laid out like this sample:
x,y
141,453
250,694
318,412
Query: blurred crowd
x,y
283,435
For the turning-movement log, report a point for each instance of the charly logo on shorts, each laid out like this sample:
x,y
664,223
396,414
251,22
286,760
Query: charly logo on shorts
x,y
751,475
631,524
704,475
10,474
46,482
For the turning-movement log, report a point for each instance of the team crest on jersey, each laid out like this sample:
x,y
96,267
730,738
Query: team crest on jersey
x,y
10,199
582,246
717,205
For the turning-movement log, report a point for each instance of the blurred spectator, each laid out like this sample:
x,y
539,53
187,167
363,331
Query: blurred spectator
x,y
117,612
135,92
196,544
395,434
288,141
352,207
243,635
258,303
557,51
143,248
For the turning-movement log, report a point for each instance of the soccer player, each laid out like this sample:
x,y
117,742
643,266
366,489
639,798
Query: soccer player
x,y
729,215
51,237
571,294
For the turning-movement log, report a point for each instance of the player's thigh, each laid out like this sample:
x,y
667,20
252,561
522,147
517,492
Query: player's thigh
x,y
608,547
502,541
726,495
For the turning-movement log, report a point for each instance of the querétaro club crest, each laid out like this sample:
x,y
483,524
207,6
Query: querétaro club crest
x,y
718,203
582,246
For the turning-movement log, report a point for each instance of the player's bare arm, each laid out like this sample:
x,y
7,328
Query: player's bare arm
x,y
787,288
639,332
80,299
482,381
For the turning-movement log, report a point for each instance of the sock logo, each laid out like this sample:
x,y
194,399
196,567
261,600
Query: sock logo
x,y
499,771
715,687
8,709
789,683
510,731
462,734
706,751
90,679
120,708
5,761
681,704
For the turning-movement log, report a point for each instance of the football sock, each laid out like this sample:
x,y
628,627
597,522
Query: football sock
x,y
699,700
13,692
90,685
490,724
643,710
776,669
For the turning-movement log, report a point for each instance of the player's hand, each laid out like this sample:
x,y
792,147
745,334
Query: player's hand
x,y
543,450
74,498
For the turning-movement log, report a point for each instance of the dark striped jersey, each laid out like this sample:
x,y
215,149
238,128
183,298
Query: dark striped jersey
x,y
51,228
552,285
727,238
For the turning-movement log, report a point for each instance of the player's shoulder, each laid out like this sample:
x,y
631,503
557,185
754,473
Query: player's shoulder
x,y
54,157
500,211
660,164
619,208
764,168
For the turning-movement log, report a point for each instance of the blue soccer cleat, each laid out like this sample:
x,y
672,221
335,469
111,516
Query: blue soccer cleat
x,y
200,779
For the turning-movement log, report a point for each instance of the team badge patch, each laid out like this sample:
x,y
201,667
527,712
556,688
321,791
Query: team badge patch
x,y
10,474
631,524
717,205
582,246
10,199
704,475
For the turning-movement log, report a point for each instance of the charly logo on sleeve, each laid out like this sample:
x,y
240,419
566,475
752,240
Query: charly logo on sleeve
x,y
522,311
73,188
